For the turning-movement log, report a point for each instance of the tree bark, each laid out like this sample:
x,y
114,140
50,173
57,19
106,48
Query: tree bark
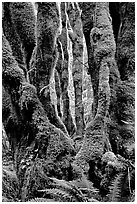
x,y
46,57
118,113
87,17
19,28
126,41
64,39
76,36
126,91
35,135
103,53
58,93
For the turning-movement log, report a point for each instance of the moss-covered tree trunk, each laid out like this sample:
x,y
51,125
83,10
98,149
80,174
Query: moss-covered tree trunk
x,y
87,17
126,41
102,52
36,141
19,28
76,36
113,107
46,57
64,78
126,91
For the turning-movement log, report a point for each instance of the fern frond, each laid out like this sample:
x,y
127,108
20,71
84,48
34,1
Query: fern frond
x,y
70,188
58,195
10,187
26,183
65,188
41,200
116,188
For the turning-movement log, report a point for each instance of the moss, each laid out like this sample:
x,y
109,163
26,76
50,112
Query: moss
x,y
77,65
10,185
126,101
95,138
34,179
12,36
24,18
12,78
19,29
12,74
122,86
35,127
46,57
52,112
40,149
126,41
8,111
51,143
122,113
64,76
10,120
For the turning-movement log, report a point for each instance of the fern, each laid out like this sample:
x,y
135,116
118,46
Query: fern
x,y
58,195
116,188
10,188
26,183
67,190
41,200
70,188
86,187
122,187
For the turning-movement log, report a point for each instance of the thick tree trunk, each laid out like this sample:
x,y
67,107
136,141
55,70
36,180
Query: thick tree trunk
x,y
46,57
103,53
19,28
34,136
76,36
126,41
87,17
118,99
126,91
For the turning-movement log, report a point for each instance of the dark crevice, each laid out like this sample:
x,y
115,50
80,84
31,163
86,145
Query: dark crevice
x,y
114,12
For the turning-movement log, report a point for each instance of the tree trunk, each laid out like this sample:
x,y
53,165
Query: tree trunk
x,y
34,134
87,17
46,57
58,93
87,88
64,39
126,42
19,28
103,53
126,91
76,36
118,113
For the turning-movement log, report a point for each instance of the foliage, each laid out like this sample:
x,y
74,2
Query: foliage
x,y
122,187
